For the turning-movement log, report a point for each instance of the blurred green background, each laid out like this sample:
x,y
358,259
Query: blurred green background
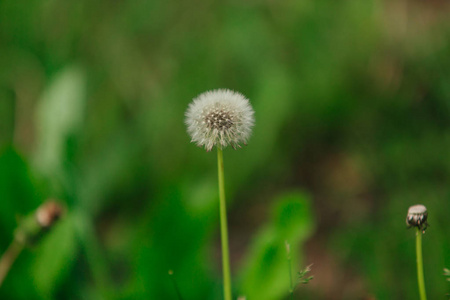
x,y
352,108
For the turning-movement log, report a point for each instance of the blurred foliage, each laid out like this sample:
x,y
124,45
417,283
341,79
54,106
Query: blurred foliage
x,y
352,106
267,258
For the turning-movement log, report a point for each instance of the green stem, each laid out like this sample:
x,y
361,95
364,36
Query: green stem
x,y
94,256
175,285
291,287
224,228
420,278
8,258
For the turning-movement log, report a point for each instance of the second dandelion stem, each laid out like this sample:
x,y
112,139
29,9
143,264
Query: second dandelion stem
x,y
224,228
420,277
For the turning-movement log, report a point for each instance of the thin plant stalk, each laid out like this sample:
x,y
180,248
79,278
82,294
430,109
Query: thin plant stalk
x,y
8,258
289,260
94,257
175,285
224,228
420,277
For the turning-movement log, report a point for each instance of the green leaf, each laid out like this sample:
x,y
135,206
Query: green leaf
x,y
16,189
266,275
54,257
60,114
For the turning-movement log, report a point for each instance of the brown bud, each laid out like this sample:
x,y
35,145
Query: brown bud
x,y
48,213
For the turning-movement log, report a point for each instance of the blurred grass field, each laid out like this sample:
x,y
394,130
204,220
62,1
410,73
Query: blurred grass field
x,y
352,108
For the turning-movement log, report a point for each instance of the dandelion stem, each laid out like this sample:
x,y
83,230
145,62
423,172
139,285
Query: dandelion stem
x,y
420,278
8,258
224,228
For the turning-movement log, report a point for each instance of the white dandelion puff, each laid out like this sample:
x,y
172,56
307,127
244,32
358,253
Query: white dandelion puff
x,y
219,118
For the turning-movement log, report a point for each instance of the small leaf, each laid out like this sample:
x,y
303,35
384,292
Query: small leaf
x,y
302,275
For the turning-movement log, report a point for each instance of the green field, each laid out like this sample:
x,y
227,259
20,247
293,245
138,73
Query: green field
x,y
352,126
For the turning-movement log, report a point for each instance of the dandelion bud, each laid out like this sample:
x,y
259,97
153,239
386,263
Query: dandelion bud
x,y
417,217
219,118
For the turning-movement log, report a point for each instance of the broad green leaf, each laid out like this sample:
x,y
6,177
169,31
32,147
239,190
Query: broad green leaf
x,y
175,238
266,276
54,257
16,190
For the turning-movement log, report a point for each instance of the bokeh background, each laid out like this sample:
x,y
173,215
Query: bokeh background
x,y
352,107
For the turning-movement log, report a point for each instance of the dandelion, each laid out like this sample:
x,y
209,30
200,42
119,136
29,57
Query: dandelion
x,y
417,217
219,118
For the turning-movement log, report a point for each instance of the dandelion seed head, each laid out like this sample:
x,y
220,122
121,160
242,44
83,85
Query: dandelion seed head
x,y
219,118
